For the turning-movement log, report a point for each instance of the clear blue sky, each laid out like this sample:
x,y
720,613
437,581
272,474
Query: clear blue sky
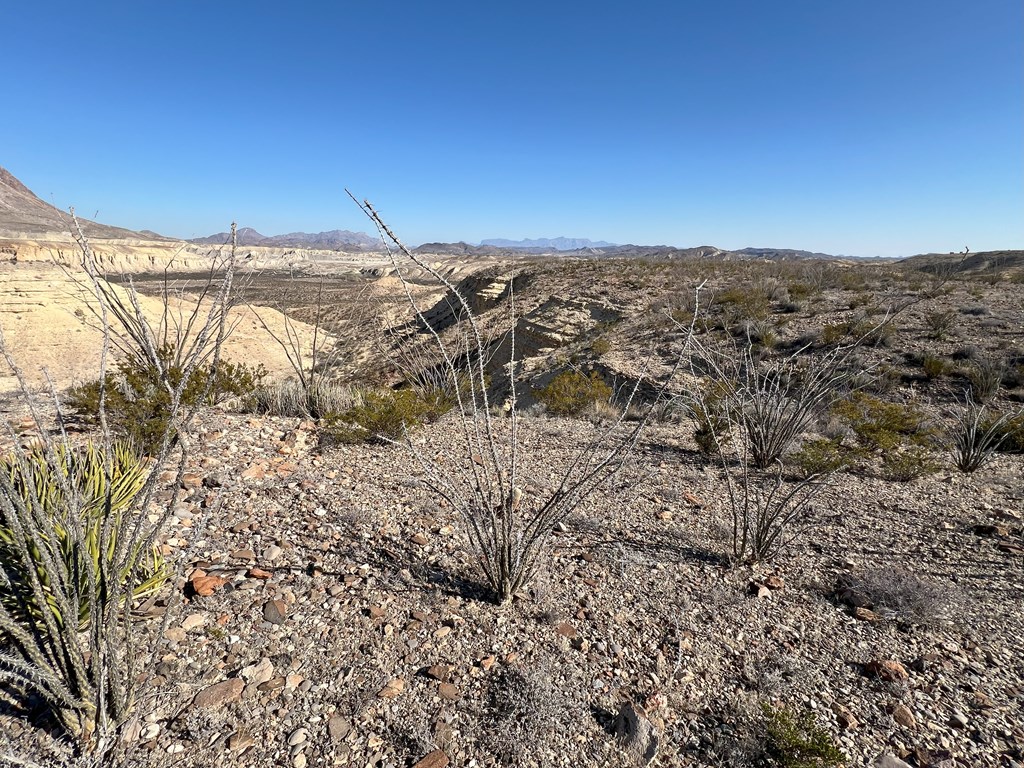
x,y
865,128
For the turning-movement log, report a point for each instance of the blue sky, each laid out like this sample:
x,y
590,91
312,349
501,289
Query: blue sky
x,y
867,128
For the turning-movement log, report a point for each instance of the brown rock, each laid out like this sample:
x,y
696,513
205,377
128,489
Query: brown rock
x,y
419,539
258,573
275,611
901,714
886,669
486,662
376,612
637,734
204,585
565,629
338,728
273,684
219,694
758,590
255,472
243,554
440,672
393,689
448,691
845,717
240,741
866,614
436,759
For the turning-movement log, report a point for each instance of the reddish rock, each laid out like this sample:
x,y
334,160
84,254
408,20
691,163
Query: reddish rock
x,y
436,759
219,694
886,669
204,585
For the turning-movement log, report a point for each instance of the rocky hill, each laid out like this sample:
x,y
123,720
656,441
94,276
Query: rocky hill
x,y
549,243
24,215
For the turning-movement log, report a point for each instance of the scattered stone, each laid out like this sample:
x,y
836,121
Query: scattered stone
x,y
393,689
436,759
419,539
866,614
448,692
193,621
565,629
754,589
958,720
259,673
774,582
299,736
901,714
638,735
219,694
338,728
275,611
258,573
889,670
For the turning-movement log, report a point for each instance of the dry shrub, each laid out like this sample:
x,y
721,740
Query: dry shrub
x,y
898,595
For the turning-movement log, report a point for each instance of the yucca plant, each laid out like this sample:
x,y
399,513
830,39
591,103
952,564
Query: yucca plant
x,y
976,437
103,485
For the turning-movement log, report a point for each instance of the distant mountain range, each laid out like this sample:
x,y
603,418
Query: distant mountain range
x,y
333,240
549,243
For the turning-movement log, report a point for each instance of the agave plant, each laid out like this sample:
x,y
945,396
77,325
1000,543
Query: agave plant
x,y
78,500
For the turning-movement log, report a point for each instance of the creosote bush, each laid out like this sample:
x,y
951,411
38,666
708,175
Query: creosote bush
x,y
570,393
384,415
795,740
880,425
138,400
821,456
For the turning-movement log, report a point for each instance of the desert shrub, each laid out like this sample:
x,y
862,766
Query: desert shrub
x,y
138,398
934,366
570,393
895,594
105,486
833,333
1012,435
383,416
602,412
821,456
799,291
745,303
909,463
881,425
795,740
291,398
985,377
969,352
760,332
600,346
710,413
861,300
524,712
939,323
976,437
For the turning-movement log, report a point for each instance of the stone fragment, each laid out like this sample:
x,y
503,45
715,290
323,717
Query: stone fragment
x,y
275,611
901,714
419,539
298,736
436,759
258,673
338,728
958,720
565,629
258,573
240,741
487,662
637,734
866,614
219,694
393,689
889,670
774,582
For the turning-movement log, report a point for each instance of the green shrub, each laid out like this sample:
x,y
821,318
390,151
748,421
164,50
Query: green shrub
x,y
105,488
383,416
745,303
569,393
881,425
821,457
137,401
1012,435
908,464
986,377
600,346
795,740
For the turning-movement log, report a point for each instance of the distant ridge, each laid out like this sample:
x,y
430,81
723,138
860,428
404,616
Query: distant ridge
x,y
333,240
553,243
22,214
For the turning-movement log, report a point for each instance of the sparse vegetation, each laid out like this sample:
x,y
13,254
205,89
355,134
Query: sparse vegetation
x,y
570,393
795,740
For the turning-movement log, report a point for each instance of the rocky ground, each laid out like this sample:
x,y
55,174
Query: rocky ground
x,y
326,610
331,615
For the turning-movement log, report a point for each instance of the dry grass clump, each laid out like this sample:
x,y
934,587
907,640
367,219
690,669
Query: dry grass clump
x,y
292,398
898,595
525,713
